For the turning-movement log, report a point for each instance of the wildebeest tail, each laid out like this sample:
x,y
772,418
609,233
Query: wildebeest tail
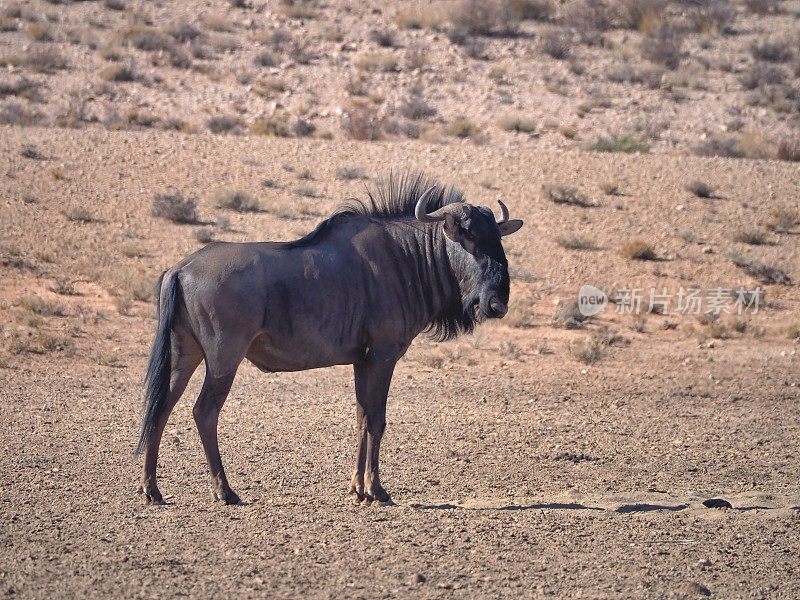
x,y
159,367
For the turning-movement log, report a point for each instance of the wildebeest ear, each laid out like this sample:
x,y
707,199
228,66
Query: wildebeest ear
x,y
510,227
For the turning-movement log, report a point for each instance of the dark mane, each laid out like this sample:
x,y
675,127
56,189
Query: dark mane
x,y
395,197
392,197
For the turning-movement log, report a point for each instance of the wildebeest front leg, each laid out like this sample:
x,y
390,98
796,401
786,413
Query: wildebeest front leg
x,y
357,481
372,380
206,416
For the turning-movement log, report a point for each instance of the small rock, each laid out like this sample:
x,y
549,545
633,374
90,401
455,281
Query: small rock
x,y
419,578
708,250
716,503
704,562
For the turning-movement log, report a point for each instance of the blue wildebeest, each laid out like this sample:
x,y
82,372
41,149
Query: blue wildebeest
x,y
356,290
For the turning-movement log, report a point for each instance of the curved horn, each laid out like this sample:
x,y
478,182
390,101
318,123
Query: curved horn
x,y
421,210
505,212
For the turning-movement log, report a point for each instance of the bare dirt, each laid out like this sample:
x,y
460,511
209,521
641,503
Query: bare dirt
x,y
516,469
527,460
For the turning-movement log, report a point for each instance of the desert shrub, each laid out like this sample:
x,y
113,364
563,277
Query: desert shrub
x,y
762,7
623,142
485,17
754,237
637,250
415,106
8,23
569,316
574,241
777,51
462,128
711,15
700,189
39,32
384,38
789,147
346,172
118,5
377,62
43,307
204,235
222,124
78,214
236,200
765,273
402,127
119,73
556,43
416,56
32,152
303,128
518,123
298,9
475,48
662,45
720,146
361,121
783,219
589,18
218,23
589,350
534,10
147,39
183,31
14,113
638,14
63,287
761,74
265,58
174,207
42,60
562,194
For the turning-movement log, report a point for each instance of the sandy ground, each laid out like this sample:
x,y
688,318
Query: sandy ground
x,y
516,469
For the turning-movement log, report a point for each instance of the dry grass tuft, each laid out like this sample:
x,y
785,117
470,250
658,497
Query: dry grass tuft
x,y
462,128
348,173
662,45
517,123
754,237
361,121
574,241
43,307
39,32
222,124
622,142
377,62
637,250
78,215
783,219
556,43
761,271
174,207
588,350
119,73
561,194
700,189
789,148
236,200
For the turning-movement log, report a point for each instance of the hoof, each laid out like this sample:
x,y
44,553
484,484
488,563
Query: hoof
x,y
356,493
152,497
228,496
377,494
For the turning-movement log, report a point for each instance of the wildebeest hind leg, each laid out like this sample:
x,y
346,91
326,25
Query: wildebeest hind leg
x,y
186,356
206,417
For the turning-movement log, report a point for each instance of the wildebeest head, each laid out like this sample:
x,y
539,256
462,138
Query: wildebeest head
x,y
475,247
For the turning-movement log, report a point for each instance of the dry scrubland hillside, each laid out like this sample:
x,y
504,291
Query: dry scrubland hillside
x,y
710,77
548,455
